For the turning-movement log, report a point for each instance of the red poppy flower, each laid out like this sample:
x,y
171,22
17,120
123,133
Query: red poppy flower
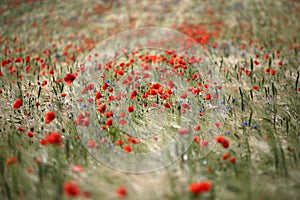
x,y
225,156
183,131
255,87
109,122
21,128
130,109
63,94
109,114
11,160
204,143
273,71
91,143
18,103
200,187
127,148
54,138
232,159
222,140
30,134
123,121
102,108
49,116
207,96
121,191
69,78
43,141
77,168
196,138
120,142
71,189
218,123
183,95
197,127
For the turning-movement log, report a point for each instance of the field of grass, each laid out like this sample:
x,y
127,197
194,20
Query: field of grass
x,y
249,149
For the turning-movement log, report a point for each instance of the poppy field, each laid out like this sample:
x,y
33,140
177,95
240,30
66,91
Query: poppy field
x,y
174,99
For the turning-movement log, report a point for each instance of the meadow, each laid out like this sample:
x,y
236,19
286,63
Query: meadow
x,y
84,109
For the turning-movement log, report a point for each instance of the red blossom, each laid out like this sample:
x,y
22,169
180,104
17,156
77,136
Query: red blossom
x,y
127,148
49,117
54,138
109,122
18,103
222,140
30,134
71,189
255,87
121,191
225,156
183,131
69,78
130,108
232,159
200,187
273,71
77,168
11,160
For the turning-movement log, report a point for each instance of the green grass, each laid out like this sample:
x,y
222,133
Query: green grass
x,y
267,155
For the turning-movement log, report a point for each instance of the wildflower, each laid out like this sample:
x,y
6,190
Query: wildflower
x,y
266,56
91,143
11,160
255,126
207,96
200,187
197,127
102,108
127,148
273,71
183,131
109,114
69,78
232,159
71,189
133,94
54,138
43,141
183,95
130,108
218,123
204,143
255,87
18,103
120,142
222,140
77,168
109,122
21,128
245,123
267,70
196,138
121,191
30,134
49,116
225,156
44,83
122,121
